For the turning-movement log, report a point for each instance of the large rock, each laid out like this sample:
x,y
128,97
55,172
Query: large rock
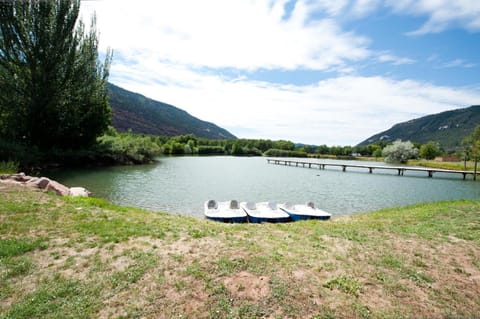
x,y
42,182
79,192
59,189
20,177
32,182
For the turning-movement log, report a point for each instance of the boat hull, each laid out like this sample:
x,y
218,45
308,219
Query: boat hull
x,y
229,220
299,217
258,220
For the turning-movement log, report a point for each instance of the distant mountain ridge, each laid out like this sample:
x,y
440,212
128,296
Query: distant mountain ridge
x,y
132,111
447,128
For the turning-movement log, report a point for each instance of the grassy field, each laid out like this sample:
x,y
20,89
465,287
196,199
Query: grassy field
x,y
86,258
445,165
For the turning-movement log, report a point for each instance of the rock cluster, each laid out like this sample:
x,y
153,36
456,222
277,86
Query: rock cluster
x,y
44,184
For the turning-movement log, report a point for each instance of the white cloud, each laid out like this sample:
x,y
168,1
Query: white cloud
x,y
395,60
331,7
247,35
339,111
361,8
442,14
459,63
349,9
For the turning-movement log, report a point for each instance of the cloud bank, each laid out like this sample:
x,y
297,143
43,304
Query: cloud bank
x,y
184,52
339,111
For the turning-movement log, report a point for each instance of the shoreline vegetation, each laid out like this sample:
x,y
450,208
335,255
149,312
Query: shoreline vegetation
x,y
85,257
114,148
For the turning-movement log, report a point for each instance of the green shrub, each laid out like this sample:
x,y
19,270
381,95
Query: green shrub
x,y
127,148
284,153
252,151
211,150
8,167
21,153
399,152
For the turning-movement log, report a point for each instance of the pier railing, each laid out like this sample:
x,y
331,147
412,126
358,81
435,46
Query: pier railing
x,y
400,169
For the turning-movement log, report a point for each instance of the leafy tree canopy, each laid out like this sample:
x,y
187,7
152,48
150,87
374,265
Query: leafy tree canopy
x,y
429,151
399,152
53,87
472,145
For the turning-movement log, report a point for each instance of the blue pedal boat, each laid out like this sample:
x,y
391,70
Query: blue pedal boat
x,y
264,212
304,212
226,212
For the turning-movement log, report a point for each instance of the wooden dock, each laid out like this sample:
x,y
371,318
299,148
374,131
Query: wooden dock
x,y
400,169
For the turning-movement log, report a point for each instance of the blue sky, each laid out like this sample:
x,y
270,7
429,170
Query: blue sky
x,y
329,72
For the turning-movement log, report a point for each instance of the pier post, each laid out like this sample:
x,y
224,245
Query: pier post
x,y
344,168
370,170
430,174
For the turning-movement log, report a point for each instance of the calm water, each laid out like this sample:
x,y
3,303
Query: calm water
x,y
183,184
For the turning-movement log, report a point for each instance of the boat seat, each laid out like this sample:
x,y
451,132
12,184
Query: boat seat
x,y
251,206
212,204
288,205
234,204
272,205
311,205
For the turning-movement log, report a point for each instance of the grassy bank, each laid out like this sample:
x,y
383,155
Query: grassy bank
x,y
445,165
81,258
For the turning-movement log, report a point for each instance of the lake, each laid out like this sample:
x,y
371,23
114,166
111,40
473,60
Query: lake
x,y
182,184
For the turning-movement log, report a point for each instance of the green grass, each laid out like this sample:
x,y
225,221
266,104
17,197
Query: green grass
x,y
14,267
87,258
227,266
11,247
56,298
444,165
134,272
345,283
8,167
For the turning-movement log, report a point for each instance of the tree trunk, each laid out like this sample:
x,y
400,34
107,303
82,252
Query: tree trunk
x,y
475,169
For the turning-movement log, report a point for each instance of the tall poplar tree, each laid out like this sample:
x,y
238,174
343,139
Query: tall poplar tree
x,y
472,143
52,86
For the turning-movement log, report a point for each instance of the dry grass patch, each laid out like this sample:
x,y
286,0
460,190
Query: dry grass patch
x,y
245,285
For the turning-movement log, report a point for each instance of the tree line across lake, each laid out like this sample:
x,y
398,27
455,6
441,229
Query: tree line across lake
x,y
129,148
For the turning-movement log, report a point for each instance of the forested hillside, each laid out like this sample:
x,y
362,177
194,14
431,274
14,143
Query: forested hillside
x,y
447,128
143,115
